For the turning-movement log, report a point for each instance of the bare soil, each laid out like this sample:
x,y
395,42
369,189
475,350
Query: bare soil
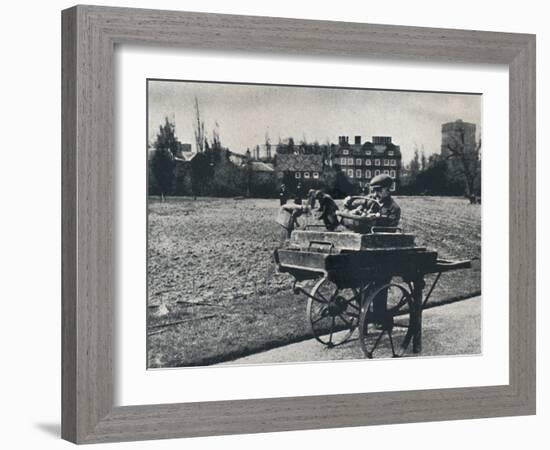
x,y
213,290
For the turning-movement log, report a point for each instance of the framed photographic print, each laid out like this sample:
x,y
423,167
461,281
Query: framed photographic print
x,y
211,228
253,215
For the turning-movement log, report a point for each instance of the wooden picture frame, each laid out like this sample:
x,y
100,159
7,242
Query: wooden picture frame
x,y
90,34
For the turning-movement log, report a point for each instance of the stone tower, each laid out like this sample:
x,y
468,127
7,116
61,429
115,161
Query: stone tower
x,y
451,136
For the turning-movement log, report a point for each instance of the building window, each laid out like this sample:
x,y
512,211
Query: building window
x,y
368,162
350,173
386,162
306,174
350,161
390,153
376,162
344,160
393,162
392,173
345,152
376,172
358,173
358,162
367,173
367,153
298,175
393,187
315,174
386,172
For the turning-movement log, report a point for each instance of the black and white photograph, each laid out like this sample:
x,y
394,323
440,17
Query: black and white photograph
x,y
307,223
277,224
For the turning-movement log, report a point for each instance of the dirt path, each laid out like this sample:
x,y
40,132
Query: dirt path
x,y
444,333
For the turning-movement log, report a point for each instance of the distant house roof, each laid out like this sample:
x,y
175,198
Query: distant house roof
x,y
258,166
299,163
186,156
236,158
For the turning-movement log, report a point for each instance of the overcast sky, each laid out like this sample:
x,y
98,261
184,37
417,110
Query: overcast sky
x,y
246,112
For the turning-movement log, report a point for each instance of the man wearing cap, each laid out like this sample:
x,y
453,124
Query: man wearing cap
x,y
387,216
389,212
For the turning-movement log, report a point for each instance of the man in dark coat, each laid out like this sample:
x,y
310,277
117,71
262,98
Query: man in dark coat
x,y
299,194
283,195
389,213
327,209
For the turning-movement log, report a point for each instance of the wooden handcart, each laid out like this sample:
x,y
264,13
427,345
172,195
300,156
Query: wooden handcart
x,y
371,281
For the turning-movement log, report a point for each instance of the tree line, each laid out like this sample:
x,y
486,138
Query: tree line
x,y
210,171
457,171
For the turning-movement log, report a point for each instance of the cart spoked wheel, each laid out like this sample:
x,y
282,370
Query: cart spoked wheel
x,y
333,313
384,330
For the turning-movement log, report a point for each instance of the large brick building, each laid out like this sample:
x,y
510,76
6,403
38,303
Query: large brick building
x,y
363,161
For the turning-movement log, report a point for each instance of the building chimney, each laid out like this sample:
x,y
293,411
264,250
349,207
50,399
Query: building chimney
x,y
343,140
381,139
358,140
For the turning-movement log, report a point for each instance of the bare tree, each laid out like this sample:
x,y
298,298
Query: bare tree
x,y
414,165
216,135
465,161
291,146
198,128
267,146
423,160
